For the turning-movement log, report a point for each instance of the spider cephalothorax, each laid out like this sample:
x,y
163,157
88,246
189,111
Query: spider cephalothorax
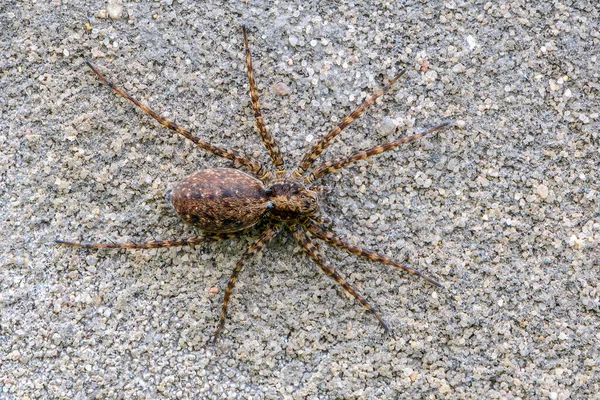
x,y
290,200
224,201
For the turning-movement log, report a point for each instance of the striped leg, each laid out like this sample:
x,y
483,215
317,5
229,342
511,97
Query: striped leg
x,y
249,162
323,220
254,249
314,252
316,150
267,138
152,244
331,166
333,240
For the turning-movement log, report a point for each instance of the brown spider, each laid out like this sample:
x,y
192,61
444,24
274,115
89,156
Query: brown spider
x,y
223,202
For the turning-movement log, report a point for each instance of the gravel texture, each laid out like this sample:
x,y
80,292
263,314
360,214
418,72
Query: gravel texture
x,y
503,208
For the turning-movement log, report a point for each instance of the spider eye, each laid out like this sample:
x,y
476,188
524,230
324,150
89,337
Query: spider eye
x,y
313,200
303,196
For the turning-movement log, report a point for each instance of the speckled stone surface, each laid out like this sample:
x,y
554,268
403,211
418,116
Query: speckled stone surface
x,y
503,209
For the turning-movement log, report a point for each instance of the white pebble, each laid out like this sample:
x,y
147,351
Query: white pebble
x,y
471,42
385,127
431,76
458,68
584,118
114,11
542,191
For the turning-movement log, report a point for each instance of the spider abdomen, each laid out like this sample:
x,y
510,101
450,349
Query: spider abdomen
x,y
219,200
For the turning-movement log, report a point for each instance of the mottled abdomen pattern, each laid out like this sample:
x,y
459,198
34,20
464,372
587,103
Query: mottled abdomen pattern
x,y
219,200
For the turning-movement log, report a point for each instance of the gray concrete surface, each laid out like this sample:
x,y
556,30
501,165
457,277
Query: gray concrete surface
x,y
502,209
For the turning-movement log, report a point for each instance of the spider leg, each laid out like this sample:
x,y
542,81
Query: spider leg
x,y
322,219
245,160
152,244
254,249
314,252
331,166
333,240
267,138
323,143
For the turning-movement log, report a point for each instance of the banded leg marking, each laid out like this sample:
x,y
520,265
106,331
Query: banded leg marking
x,y
316,150
333,240
267,138
246,161
151,244
254,249
314,252
334,165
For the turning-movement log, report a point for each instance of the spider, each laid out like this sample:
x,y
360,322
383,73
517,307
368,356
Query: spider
x,y
223,202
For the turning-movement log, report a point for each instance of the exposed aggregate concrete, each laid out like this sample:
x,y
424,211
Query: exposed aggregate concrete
x,y
503,208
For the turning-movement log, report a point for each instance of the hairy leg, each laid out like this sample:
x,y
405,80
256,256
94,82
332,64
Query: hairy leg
x,y
249,162
333,240
254,249
314,252
331,166
267,138
152,244
316,150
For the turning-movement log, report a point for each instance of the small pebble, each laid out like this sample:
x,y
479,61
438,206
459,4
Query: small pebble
x,y
445,389
471,42
385,127
114,11
584,118
542,191
431,76
281,89
91,260
293,40
458,68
